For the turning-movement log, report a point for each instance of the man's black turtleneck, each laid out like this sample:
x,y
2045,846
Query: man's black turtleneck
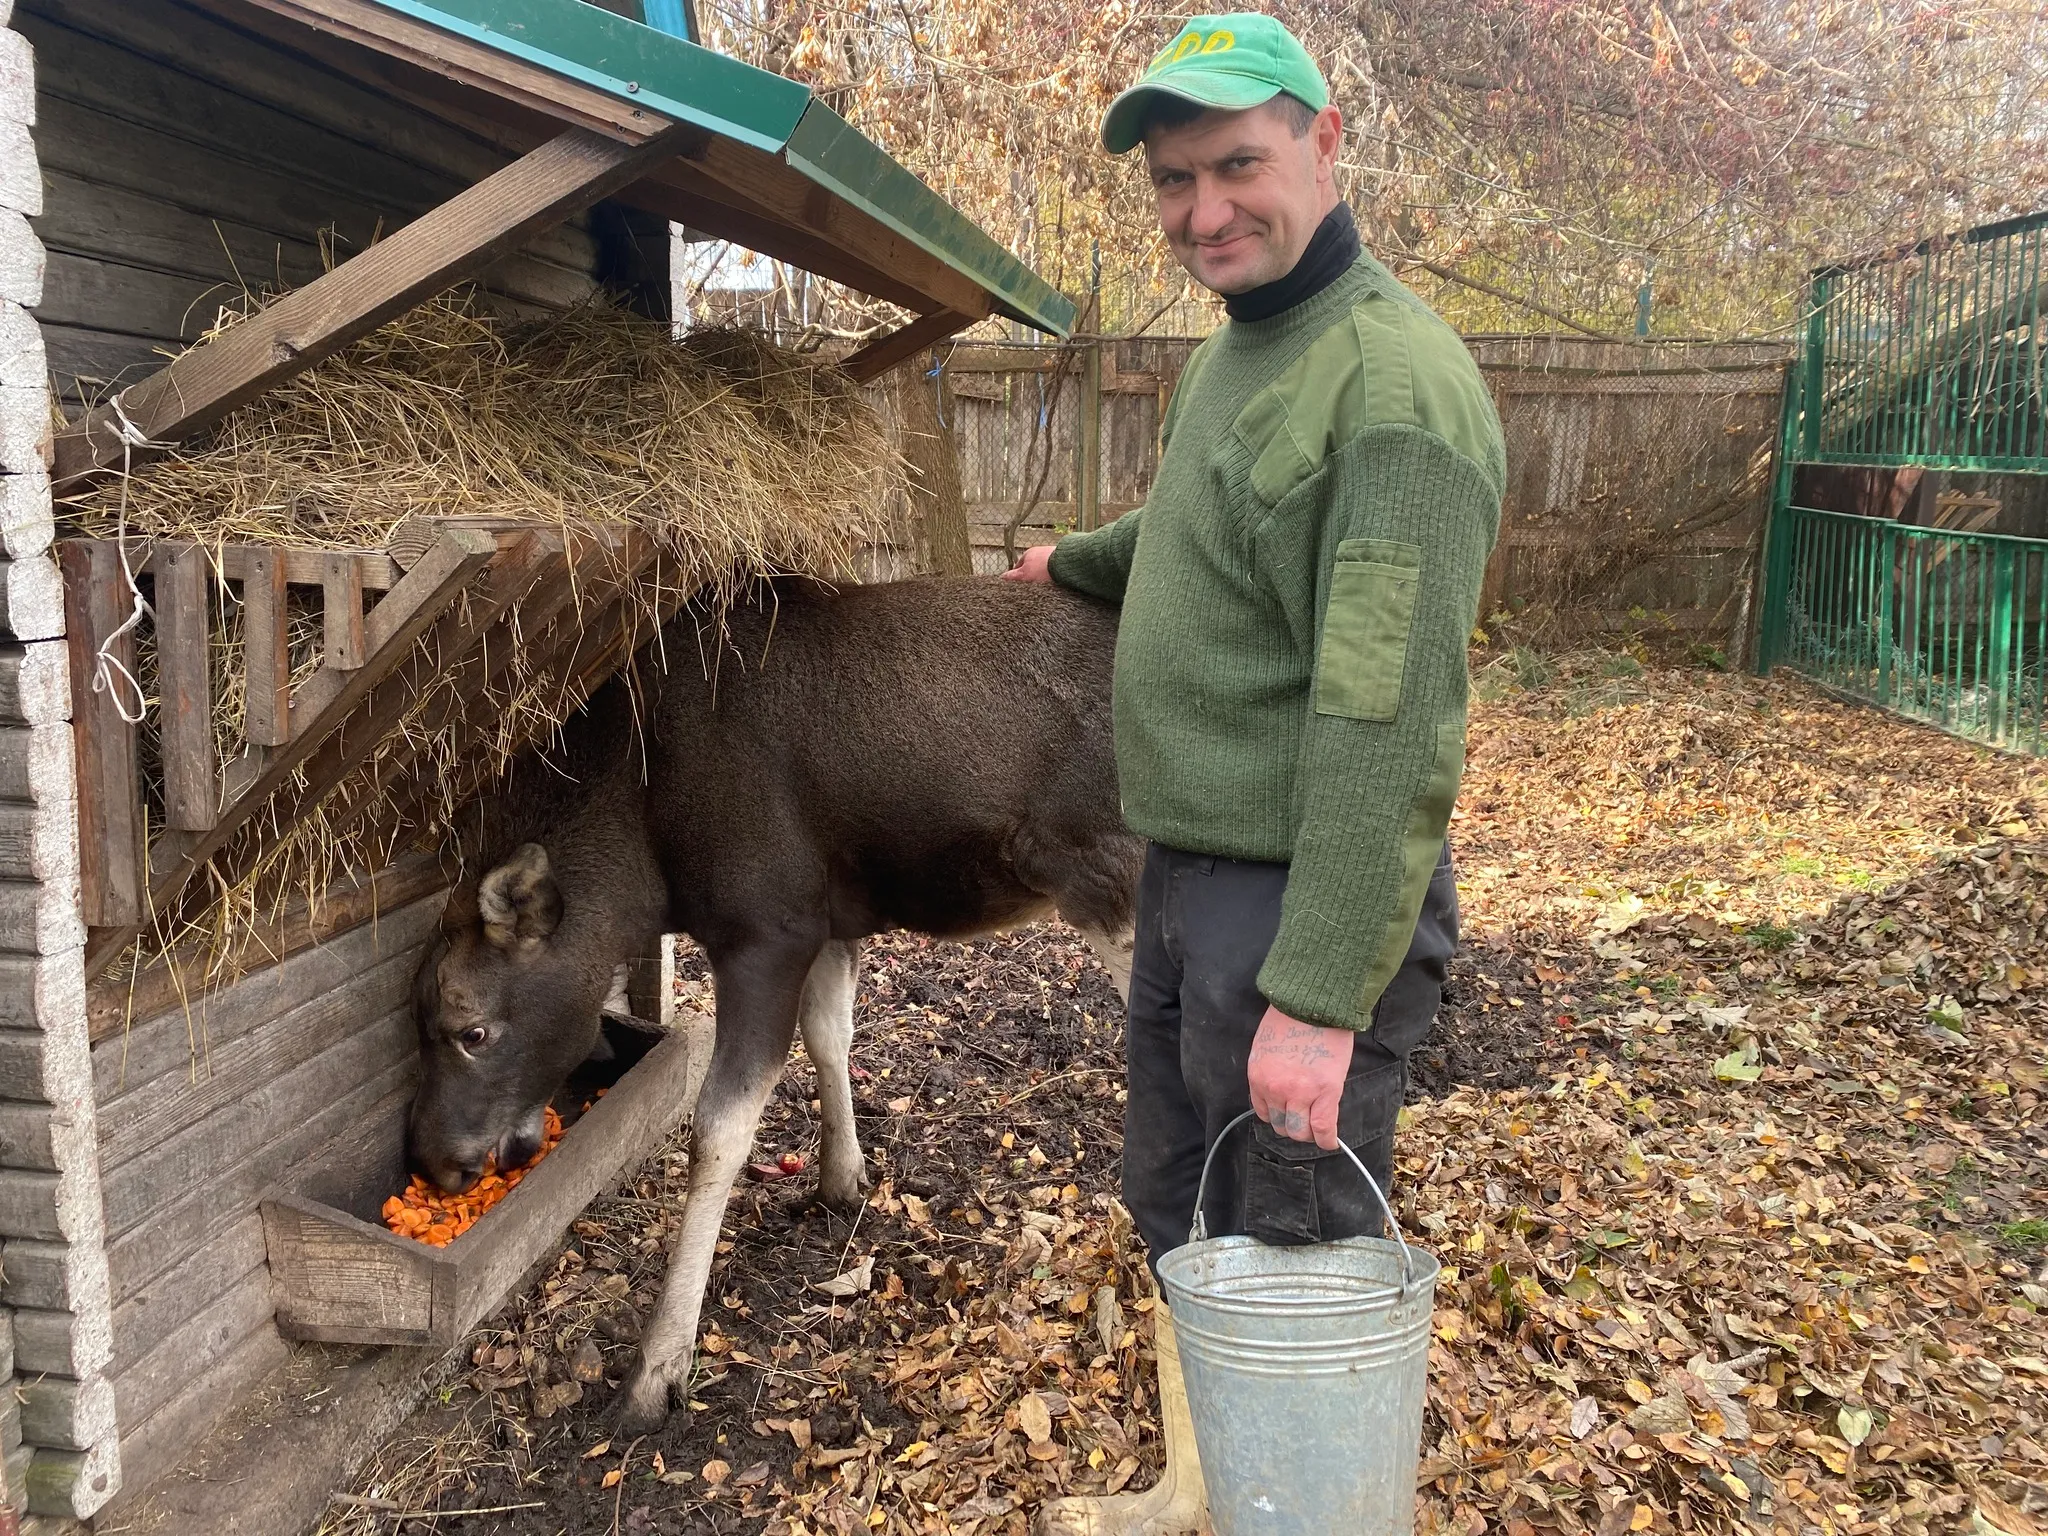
x,y
1331,251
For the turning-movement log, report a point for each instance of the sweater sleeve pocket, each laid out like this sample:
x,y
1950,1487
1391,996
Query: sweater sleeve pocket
x,y
1365,629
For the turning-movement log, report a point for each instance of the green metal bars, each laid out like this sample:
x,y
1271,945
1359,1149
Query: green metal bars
x,y
1947,627
1932,355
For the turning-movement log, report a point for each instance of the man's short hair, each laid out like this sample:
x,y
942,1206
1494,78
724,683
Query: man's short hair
x,y
1164,111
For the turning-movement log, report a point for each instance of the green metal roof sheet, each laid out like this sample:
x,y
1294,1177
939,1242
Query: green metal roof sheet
x,y
648,68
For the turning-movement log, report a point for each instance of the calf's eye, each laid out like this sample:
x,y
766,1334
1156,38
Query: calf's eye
x,y
474,1036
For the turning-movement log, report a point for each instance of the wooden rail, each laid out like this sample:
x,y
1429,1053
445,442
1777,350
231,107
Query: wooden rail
x,y
452,605
210,794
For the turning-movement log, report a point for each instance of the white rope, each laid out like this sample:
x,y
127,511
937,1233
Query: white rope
x,y
109,667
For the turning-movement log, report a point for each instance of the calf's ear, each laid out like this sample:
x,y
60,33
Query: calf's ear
x,y
519,900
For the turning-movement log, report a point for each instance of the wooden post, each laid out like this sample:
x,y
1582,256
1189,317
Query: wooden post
x,y
341,610
96,603
266,652
191,777
1088,440
651,983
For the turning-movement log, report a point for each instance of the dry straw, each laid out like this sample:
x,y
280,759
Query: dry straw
x,y
740,459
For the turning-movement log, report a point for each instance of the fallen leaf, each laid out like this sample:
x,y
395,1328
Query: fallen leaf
x,y
1666,1415
1854,1422
1739,1066
1034,1418
715,1472
851,1283
1585,1417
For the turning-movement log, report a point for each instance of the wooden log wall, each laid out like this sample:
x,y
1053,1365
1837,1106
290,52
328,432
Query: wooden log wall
x,y
58,1452
203,1108
184,161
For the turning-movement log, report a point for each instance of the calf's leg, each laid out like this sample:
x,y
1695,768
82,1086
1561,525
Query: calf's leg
x,y
827,1023
1114,951
758,991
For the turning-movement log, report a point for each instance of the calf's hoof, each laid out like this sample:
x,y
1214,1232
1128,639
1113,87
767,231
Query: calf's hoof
x,y
840,1193
643,1402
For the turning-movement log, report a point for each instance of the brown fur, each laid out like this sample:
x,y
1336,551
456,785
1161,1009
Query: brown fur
x,y
933,755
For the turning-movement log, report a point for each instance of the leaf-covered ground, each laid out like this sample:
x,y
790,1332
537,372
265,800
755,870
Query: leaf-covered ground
x,y
1730,1138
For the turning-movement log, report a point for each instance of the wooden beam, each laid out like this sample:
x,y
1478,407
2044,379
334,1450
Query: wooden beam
x,y
375,569
266,652
183,636
96,603
513,573
427,590
392,34
906,341
766,199
469,231
341,611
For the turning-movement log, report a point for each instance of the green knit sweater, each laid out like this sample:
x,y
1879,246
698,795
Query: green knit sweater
x,y
1298,592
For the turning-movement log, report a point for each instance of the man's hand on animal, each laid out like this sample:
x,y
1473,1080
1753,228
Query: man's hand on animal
x,y
1034,565
1297,1077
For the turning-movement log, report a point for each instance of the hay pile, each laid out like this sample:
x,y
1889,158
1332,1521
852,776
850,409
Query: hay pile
x,y
734,453
740,459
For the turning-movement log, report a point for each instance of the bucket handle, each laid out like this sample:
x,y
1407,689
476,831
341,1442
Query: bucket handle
x,y
1200,1231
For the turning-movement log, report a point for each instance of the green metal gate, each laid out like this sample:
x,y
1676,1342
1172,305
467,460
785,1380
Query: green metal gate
x,y
1932,356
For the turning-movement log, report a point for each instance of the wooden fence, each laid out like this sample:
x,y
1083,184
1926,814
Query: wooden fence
x,y
1637,473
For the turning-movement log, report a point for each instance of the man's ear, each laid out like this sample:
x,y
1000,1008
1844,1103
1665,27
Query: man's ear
x,y
519,901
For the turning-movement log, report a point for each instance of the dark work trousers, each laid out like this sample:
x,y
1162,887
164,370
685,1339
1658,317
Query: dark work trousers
x,y
1203,929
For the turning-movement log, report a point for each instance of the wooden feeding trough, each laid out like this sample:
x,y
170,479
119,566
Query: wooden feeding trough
x,y
188,1151
338,1275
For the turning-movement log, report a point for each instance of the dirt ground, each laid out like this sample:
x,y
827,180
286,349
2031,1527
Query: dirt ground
x,y
1729,1137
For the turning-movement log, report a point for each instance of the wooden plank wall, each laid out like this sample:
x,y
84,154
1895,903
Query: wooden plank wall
x,y
184,161
200,1111
1637,474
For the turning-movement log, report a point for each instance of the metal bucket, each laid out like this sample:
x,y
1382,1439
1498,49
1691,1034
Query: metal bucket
x,y
1306,1371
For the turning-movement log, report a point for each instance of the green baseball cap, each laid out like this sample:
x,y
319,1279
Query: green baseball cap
x,y
1235,61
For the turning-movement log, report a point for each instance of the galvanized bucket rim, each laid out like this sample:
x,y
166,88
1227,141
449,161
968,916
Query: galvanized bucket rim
x,y
1382,1293
1199,1233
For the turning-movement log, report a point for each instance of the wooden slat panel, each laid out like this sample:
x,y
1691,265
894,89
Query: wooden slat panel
x,y
341,601
563,176
145,1385
153,1447
415,603
173,1027
183,634
511,578
183,1221
266,654
243,1060
147,1318
193,1159
96,603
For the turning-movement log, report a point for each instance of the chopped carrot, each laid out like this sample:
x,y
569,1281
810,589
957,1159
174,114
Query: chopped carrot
x,y
436,1218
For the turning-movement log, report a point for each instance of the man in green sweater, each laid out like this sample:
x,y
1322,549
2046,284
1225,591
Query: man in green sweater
x,y
1290,690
